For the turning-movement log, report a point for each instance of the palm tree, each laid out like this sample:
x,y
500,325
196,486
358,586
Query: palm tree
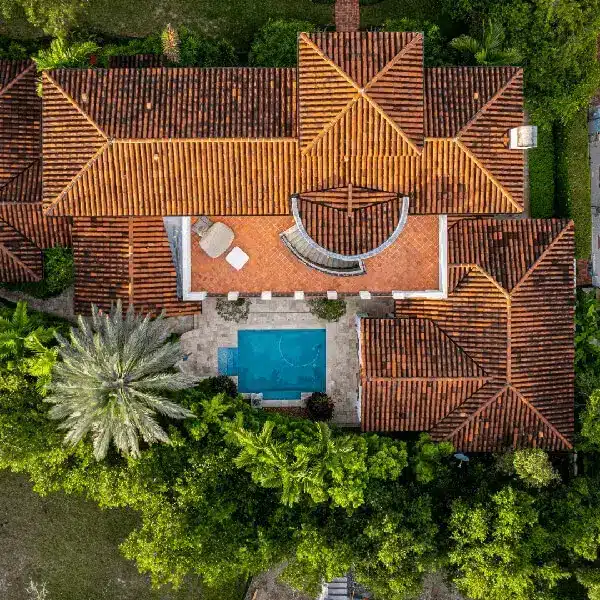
x,y
22,346
107,382
490,49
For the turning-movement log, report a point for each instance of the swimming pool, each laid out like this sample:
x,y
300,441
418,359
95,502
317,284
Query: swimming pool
x,y
281,363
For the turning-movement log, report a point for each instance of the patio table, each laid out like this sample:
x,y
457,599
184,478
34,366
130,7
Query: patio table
x,y
237,258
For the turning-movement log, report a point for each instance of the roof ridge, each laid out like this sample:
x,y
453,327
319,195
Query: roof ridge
x,y
329,126
16,78
540,415
484,378
48,210
330,62
487,173
392,62
15,177
15,258
476,412
534,266
491,101
75,104
396,128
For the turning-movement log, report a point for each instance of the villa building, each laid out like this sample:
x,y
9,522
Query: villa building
x,y
360,173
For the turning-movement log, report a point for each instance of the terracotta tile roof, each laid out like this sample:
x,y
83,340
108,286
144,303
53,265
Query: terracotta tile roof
x,y
20,259
368,114
183,103
517,328
28,218
20,113
136,61
127,259
363,229
454,95
222,177
24,230
231,157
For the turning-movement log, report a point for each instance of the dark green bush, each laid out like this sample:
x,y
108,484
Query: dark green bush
x,y
195,50
319,407
221,384
541,174
58,269
435,50
199,51
328,310
13,50
148,45
276,44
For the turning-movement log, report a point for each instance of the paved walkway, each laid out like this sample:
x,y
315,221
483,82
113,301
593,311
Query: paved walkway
x,y
212,332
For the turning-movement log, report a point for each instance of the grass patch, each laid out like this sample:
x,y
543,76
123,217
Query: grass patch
x,y
72,546
541,175
573,187
58,275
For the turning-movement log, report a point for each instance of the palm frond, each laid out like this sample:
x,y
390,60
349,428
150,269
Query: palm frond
x,y
109,380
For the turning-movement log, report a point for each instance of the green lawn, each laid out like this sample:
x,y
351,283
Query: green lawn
x,y
72,546
541,175
573,184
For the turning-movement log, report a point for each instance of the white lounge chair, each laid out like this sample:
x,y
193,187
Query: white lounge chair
x,y
216,240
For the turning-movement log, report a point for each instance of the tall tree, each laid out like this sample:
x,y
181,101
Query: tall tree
x,y
107,382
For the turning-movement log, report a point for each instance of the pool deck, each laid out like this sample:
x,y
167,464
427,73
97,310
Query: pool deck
x,y
212,332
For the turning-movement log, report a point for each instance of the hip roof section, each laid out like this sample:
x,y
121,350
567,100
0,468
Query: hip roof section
x,y
359,110
511,316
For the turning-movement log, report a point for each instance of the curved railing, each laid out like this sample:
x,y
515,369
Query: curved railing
x,y
354,267
393,237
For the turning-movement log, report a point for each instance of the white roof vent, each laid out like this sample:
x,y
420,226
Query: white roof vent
x,y
523,137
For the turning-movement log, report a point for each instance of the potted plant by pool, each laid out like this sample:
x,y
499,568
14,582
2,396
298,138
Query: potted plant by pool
x,y
319,407
328,310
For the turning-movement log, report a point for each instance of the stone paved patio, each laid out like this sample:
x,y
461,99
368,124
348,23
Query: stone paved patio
x,y
212,332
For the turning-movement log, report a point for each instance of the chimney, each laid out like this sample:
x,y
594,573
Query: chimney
x,y
347,15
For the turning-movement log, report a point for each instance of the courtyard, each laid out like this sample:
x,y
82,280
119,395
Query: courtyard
x,y
212,332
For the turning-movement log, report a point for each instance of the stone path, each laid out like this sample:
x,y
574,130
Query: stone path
x,y
212,332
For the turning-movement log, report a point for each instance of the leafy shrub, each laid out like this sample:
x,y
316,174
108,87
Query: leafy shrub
x,y
62,54
531,465
276,44
328,310
319,406
59,272
434,50
197,51
233,310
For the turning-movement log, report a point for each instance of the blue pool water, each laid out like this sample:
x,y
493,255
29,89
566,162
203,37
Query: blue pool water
x,y
281,363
